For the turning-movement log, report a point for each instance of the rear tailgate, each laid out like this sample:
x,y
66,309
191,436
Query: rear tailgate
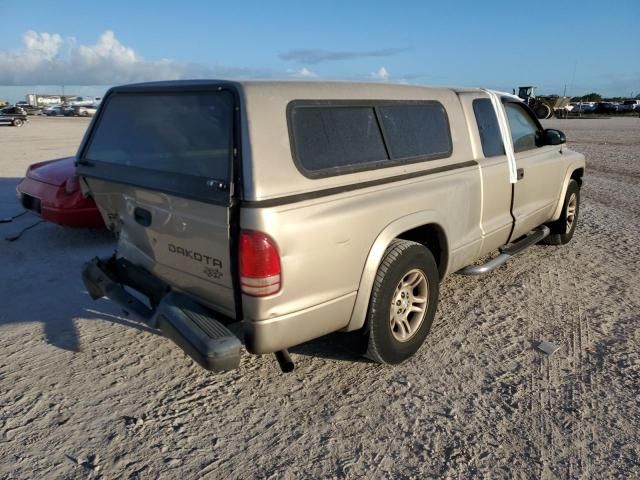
x,y
159,164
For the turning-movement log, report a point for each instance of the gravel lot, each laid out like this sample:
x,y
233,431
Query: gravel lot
x,y
87,393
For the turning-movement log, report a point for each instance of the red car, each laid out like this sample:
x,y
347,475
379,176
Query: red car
x,y
52,190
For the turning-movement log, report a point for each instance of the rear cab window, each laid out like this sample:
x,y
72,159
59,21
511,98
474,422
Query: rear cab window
x,y
332,138
181,143
488,127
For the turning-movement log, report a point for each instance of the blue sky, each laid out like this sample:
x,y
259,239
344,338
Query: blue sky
x,y
587,45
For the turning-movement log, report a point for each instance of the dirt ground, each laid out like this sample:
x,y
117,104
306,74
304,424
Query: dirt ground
x,y
88,393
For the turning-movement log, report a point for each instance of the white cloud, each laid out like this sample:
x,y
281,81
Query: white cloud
x,y
302,73
42,45
381,74
49,59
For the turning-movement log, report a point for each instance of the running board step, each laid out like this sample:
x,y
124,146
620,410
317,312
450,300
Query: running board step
x,y
201,336
507,252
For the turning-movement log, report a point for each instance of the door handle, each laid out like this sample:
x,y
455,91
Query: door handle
x,y
142,216
520,173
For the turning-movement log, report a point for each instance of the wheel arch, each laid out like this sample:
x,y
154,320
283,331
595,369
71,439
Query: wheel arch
x,y
574,172
422,227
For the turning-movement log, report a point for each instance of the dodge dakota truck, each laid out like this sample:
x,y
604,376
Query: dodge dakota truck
x,y
272,213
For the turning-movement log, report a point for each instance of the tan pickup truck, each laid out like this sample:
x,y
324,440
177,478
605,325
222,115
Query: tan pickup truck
x,y
272,213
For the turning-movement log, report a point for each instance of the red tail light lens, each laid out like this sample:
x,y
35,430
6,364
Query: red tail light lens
x,y
260,273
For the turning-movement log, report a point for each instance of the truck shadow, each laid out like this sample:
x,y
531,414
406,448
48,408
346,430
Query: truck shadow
x,y
40,273
343,346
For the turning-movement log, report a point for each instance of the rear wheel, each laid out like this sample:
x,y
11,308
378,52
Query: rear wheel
x,y
542,110
17,122
562,230
403,302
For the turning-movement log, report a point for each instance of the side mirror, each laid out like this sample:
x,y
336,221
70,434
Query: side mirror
x,y
552,136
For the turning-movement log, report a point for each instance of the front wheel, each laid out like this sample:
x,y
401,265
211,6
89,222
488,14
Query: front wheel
x,y
403,302
562,230
17,122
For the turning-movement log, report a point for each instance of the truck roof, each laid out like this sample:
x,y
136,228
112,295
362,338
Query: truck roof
x,y
311,87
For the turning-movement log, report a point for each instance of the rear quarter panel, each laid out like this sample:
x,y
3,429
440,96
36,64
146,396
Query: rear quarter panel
x,y
325,244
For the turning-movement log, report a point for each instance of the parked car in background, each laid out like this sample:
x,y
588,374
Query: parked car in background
x,y
58,110
85,111
606,107
584,107
629,105
29,109
52,190
15,116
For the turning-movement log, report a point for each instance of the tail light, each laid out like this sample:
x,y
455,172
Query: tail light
x,y
260,272
72,184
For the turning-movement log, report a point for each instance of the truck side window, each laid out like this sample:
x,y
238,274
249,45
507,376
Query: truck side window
x,y
334,138
416,130
488,127
330,138
524,130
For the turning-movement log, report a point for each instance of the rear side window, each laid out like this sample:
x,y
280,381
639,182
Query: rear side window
x,y
488,127
416,130
185,133
332,138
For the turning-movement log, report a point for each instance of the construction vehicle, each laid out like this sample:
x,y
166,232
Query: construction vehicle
x,y
544,107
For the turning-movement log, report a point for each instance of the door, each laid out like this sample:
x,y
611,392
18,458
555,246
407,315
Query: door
x,y
495,217
158,163
540,171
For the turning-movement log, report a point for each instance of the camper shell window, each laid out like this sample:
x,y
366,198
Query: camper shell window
x,y
337,137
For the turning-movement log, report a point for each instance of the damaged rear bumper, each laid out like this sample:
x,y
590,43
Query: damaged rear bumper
x,y
190,325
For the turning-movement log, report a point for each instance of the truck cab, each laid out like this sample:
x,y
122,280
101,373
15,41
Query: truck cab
x,y
272,213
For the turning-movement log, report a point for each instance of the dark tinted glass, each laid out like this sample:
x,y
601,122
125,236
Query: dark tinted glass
x,y
189,134
416,130
488,127
336,137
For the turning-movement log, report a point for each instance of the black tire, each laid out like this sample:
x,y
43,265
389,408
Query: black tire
x,y
401,258
542,111
17,122
559,234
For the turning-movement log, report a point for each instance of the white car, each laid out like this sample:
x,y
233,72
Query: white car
x,y
584,107
85,111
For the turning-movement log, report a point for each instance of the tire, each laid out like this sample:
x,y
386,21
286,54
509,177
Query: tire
x,y
562,230
404,264
542,111
17,122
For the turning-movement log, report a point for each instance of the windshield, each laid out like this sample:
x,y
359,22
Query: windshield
x,y
185,133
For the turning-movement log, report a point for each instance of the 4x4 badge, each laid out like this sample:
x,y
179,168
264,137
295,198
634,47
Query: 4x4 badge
x,y
212,272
